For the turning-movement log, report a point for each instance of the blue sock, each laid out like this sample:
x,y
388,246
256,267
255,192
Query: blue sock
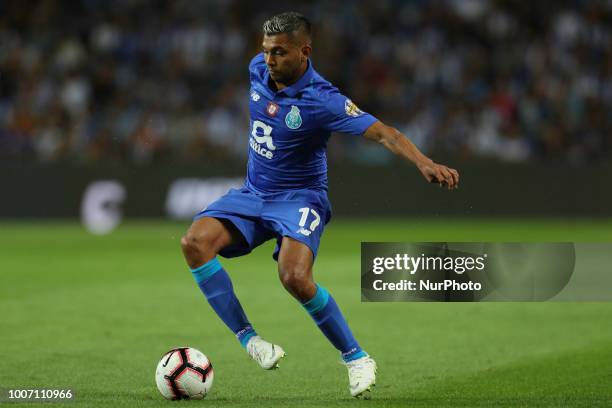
x,y
216,285
326,314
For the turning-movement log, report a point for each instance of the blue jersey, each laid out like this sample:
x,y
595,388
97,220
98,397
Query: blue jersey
x,y
289,129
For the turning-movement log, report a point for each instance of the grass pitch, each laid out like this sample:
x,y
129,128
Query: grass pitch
x,y
95,314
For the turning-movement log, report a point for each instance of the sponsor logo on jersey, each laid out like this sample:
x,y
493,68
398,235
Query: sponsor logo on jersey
x,y
255,96
256,141
293,120
272,109
351,109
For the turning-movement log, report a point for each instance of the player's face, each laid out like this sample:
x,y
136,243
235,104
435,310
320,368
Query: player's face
x,y
285,57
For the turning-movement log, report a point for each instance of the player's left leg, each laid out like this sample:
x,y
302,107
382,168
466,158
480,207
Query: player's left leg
x,y
295,263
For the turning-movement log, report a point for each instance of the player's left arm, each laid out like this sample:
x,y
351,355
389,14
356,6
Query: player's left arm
x,y
399,144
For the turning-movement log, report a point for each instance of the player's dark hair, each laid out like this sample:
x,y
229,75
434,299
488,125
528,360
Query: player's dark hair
x,y
290,22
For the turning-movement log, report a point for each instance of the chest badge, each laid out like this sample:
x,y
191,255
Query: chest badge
x,y
293,120
272,109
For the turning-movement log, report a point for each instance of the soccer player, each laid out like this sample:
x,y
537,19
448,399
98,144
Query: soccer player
x,y
293,111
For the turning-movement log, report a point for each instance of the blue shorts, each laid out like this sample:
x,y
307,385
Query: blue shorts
x,y
299,214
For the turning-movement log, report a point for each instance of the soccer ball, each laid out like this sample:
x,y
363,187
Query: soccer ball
x,y
184,373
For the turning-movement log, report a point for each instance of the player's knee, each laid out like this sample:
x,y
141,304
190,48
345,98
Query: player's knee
x,y
294,276
198,247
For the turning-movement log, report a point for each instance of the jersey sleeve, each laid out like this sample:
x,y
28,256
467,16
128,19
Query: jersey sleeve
x,y
340,114
256,66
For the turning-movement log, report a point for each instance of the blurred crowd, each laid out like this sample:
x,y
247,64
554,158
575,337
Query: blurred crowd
x,y
142,82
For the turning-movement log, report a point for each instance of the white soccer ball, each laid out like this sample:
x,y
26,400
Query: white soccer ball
x,y
184,373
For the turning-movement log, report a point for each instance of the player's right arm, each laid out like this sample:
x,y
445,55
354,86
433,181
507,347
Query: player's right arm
x,y
400,145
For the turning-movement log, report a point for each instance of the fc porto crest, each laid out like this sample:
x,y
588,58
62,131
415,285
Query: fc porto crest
x,y
293,120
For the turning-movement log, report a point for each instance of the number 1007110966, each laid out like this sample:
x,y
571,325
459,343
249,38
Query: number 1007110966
x,y
38,394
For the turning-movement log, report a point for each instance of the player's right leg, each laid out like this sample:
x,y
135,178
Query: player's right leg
x,y
201,244
205,238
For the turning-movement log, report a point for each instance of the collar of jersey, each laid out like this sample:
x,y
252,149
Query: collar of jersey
x,y
292,90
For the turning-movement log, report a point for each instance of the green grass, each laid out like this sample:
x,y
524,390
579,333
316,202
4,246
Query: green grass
x,y
96,313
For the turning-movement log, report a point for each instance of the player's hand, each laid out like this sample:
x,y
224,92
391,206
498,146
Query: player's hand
x,y
440,174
